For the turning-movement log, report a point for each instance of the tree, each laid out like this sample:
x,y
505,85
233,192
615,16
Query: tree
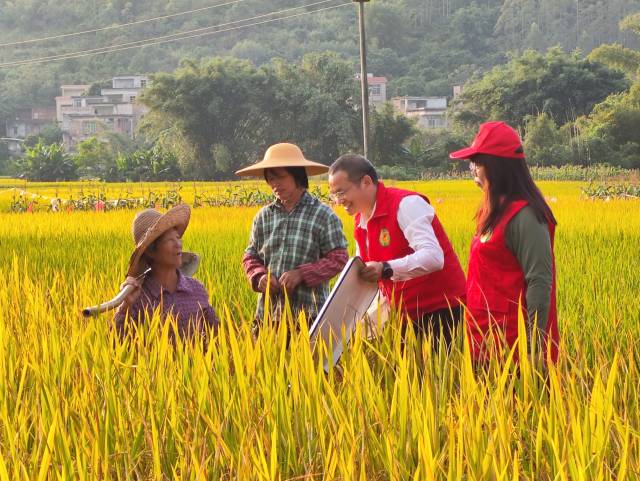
x,y
390,133
563,85
610,132
96,159
48,163
315,106
220,102
430,148
155,164
544,144
617,56
229,111
49,134
5,158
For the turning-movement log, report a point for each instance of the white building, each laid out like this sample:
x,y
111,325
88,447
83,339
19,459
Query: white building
x,y
27,122
377,89
65,100
115,110
430,112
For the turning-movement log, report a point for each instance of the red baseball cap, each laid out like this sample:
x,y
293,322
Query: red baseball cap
x,y
493,138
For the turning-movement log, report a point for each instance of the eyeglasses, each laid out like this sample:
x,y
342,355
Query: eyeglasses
x,y
339,195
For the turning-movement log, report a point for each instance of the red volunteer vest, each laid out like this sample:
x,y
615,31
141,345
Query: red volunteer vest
x,y
495,284
383,240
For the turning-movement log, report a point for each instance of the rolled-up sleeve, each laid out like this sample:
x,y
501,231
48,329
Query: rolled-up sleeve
x,y
252,263
315,273
254,269
333,251
415,216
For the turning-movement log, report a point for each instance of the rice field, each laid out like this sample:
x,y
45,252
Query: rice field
x,y
77,404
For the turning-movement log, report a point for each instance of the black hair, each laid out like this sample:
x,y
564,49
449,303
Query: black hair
x,y
152,247
356,166
299,174
508,180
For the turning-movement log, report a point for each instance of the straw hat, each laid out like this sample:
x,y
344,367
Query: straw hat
x,y
150,224
283,155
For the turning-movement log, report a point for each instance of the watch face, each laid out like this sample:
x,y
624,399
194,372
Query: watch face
x,y
387,272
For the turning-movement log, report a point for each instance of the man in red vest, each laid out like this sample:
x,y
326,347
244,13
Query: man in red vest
x,y
404,246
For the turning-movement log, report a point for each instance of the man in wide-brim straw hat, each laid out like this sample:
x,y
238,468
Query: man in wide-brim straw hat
x,y
158,247
297,244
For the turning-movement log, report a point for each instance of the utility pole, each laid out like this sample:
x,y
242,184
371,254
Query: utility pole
x,y
364,83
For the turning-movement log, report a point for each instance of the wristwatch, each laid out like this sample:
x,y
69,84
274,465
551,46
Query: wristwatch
x,y
387,271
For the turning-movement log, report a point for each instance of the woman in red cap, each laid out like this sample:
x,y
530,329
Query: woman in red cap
x,y
512,263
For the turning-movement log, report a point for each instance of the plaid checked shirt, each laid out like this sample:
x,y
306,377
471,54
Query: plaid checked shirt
x,y
281,241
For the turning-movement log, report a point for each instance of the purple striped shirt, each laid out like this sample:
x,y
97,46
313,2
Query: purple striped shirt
x,y
189,305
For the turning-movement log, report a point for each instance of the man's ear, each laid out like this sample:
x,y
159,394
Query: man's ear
x,y
367,180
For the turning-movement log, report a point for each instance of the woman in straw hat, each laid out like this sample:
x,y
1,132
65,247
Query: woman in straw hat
x,y
296,244
512,265
158,240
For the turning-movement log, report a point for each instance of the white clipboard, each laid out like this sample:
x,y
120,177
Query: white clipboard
x,y
346,305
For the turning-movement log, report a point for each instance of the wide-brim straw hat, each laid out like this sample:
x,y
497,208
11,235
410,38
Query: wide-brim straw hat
x,y
280,156
148,226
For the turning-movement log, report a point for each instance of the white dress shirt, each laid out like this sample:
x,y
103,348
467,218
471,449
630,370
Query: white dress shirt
x,y
414,218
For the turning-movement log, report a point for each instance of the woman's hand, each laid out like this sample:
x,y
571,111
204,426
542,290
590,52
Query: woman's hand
x,y
264,280
134,295
291,279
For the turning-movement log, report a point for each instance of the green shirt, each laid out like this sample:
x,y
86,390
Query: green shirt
x,y
529,241
285,240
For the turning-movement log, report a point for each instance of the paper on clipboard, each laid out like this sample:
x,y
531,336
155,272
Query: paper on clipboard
x,y
346,305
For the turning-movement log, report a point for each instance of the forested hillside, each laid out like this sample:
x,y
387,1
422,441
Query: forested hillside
x,y
422,46
232,76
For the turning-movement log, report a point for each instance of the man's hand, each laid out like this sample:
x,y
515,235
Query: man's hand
x,y
290,280
274,288
372,272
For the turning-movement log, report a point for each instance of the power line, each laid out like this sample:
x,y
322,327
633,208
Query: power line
x,y
122,25
172,37
89,53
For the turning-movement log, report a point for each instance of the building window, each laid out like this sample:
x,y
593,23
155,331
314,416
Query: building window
x,y
436,122
143,83
77,103
124,125
15,131
376,90
89,127
123,84
132,98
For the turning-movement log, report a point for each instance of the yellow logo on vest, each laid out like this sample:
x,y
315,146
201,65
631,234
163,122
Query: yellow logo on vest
x,y
385,238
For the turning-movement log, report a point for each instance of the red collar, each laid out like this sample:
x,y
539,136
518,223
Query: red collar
x,y
381,207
